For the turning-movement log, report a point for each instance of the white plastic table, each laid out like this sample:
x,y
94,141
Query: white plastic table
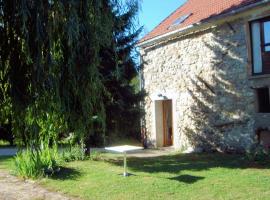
x,y
124,149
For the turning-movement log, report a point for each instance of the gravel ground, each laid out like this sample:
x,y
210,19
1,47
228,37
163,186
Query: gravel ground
x,y
12,188
148,153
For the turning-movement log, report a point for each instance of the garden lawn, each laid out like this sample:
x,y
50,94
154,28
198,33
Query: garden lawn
x,y
6,163
178,176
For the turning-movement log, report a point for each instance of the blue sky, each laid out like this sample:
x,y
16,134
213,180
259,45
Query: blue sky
x,y
154,11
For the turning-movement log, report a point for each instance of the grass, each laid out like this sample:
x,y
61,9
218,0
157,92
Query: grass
x,y
177,176
4,143
6,163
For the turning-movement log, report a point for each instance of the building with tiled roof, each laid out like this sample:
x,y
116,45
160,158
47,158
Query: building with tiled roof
x,y
206,73
200,12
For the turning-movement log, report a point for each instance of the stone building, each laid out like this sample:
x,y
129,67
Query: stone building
x,y
206,72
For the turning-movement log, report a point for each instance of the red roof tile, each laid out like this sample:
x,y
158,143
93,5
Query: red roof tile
x,y
199,11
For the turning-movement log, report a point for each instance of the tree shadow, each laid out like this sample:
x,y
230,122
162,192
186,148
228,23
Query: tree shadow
x,y
175,164
222,103
5,158
66,174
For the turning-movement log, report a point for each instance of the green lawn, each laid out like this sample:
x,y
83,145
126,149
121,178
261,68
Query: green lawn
x,y
6,163
197,176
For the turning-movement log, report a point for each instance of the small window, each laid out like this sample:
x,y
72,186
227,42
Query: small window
x,y
263,100
180,20
256,48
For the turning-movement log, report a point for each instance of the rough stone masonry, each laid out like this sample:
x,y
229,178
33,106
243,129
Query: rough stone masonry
x,y
207,77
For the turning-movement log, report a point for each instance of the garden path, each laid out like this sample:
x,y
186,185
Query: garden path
x,y
12,188
8,151
149,153
141,153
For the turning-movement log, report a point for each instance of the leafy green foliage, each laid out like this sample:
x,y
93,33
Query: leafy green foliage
x,y
73,153
66,67
73,59
35,164
96,156
258,153
49,75
119,69
49,66
4,143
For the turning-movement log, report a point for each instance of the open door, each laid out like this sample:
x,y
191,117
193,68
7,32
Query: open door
x,y
167,123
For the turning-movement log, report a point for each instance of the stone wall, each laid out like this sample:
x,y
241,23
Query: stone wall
x,y
206,76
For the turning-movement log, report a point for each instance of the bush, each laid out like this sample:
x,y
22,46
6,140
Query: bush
x,y
3,143
35,164
73,153
258,153
95,156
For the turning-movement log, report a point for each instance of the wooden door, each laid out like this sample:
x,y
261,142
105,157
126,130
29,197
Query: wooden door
x,y
167,123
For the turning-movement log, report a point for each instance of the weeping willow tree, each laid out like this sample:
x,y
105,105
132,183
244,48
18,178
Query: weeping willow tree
x,y
50,82
67,66
87,28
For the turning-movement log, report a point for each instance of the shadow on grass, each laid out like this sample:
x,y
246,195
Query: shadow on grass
x,y
192,162
67,174
187,178
5,158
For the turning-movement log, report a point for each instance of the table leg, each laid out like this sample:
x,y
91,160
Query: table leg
x,y
125,164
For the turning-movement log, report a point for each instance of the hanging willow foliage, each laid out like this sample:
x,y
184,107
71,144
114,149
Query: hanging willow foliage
x,y
49,66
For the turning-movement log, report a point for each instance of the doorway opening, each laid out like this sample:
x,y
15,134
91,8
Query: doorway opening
x,y
164,123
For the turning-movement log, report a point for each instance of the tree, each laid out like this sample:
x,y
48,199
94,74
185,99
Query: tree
x,y
49,76
119,68
50,58
67,66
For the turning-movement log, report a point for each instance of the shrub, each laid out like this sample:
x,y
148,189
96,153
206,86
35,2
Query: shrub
x,y
95,155
258,153
35,164
3,143
73,153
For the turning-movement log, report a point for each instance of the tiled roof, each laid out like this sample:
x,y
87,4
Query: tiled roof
x,y
197,11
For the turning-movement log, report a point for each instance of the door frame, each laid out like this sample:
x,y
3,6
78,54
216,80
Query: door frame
x,y
156,136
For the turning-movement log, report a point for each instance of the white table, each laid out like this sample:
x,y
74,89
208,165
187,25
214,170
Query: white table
x,y
124,149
